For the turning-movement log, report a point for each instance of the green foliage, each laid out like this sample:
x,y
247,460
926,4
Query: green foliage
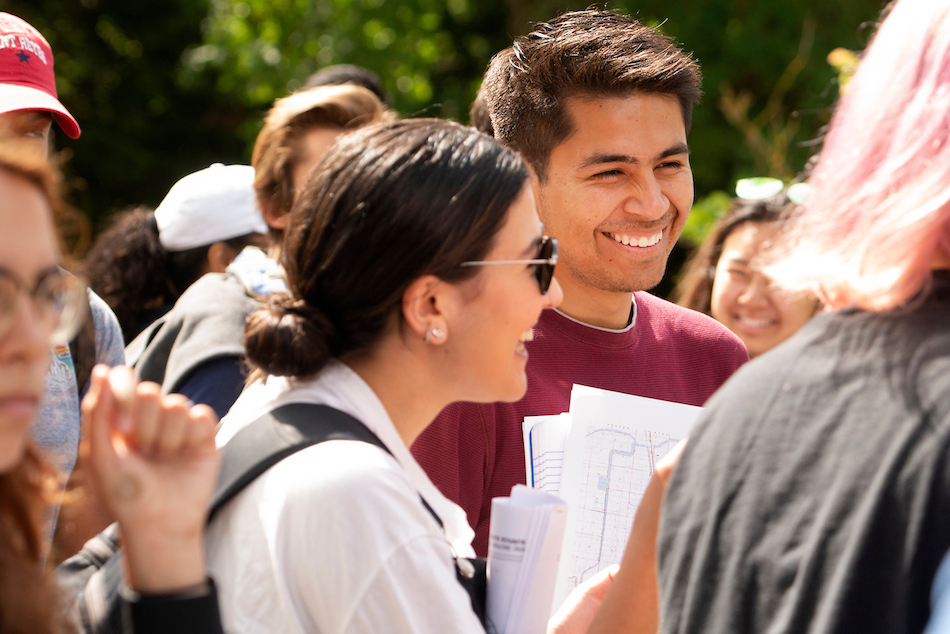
x,y
429,53
704,214
165,87
116,64
845,62
769,89
749,49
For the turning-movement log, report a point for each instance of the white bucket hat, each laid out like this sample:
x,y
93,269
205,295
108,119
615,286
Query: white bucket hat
x,y
211,205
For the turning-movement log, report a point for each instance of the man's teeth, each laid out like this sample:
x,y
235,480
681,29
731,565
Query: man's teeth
x,y
527,335
637,242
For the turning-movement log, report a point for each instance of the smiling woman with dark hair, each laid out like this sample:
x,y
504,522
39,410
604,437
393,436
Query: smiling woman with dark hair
x,y
725,277
416,269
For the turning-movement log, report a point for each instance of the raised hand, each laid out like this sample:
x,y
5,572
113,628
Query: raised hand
x,y
155,461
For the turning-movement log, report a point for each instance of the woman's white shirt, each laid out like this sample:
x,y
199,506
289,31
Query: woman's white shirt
x,y
335,538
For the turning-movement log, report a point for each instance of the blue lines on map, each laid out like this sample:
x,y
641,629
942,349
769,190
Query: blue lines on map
x,y
546,471
603,482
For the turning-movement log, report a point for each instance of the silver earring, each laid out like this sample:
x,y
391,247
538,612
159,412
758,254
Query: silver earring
x,y
433,333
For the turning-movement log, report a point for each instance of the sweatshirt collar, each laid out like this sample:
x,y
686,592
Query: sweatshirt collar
x,y
592,335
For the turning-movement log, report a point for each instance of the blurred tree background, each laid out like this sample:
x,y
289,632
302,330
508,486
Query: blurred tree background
x,y
162,88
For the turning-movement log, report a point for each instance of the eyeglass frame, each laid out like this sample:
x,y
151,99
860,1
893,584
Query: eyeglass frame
x,y
544,271
68,321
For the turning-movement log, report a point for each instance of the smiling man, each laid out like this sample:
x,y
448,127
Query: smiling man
x,y
600,106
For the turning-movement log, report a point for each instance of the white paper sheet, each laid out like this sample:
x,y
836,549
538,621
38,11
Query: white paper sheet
x,y
609,451
544,440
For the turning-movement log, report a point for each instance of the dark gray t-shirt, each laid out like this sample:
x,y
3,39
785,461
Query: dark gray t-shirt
x,y
814,494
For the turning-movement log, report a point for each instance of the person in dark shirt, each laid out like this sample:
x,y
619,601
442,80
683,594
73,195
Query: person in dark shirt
x,y
146,259
814,493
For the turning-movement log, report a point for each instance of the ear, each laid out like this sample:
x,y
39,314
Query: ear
x,y
426,306
273,218
219,257
536,190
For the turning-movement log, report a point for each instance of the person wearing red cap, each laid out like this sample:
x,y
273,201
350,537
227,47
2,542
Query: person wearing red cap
x,y
28,98
28,105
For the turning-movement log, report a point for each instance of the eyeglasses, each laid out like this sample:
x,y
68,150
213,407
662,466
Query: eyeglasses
x,y
544,263
763,187
59,300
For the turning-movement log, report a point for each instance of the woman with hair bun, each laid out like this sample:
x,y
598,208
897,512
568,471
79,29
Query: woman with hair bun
x,y
416,269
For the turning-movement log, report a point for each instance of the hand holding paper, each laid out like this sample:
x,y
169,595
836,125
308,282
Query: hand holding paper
x,y
583,605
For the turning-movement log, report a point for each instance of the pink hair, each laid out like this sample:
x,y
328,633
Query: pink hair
x,y
878,211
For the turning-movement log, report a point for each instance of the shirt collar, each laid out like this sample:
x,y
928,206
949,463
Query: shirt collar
x,y
340,387
627,328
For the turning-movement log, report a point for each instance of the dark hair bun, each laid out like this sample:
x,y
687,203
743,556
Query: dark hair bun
x,y
288,337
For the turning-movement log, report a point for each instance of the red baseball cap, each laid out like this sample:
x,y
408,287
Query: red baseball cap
x,y
27,81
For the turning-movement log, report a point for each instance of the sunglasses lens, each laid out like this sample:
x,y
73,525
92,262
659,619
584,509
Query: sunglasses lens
x,y
545,271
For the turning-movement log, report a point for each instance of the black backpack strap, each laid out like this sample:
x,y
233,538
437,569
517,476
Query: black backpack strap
x,y
94,576
277,435
293,427
97,577
472,574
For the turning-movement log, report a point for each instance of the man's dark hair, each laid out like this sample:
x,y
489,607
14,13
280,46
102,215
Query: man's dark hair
x,y
478,115
340,74
589,53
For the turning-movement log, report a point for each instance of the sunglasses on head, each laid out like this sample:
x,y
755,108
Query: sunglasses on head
x,y
761,187
544,263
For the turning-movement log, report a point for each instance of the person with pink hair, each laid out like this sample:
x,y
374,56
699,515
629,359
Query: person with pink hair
x,y
814,493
